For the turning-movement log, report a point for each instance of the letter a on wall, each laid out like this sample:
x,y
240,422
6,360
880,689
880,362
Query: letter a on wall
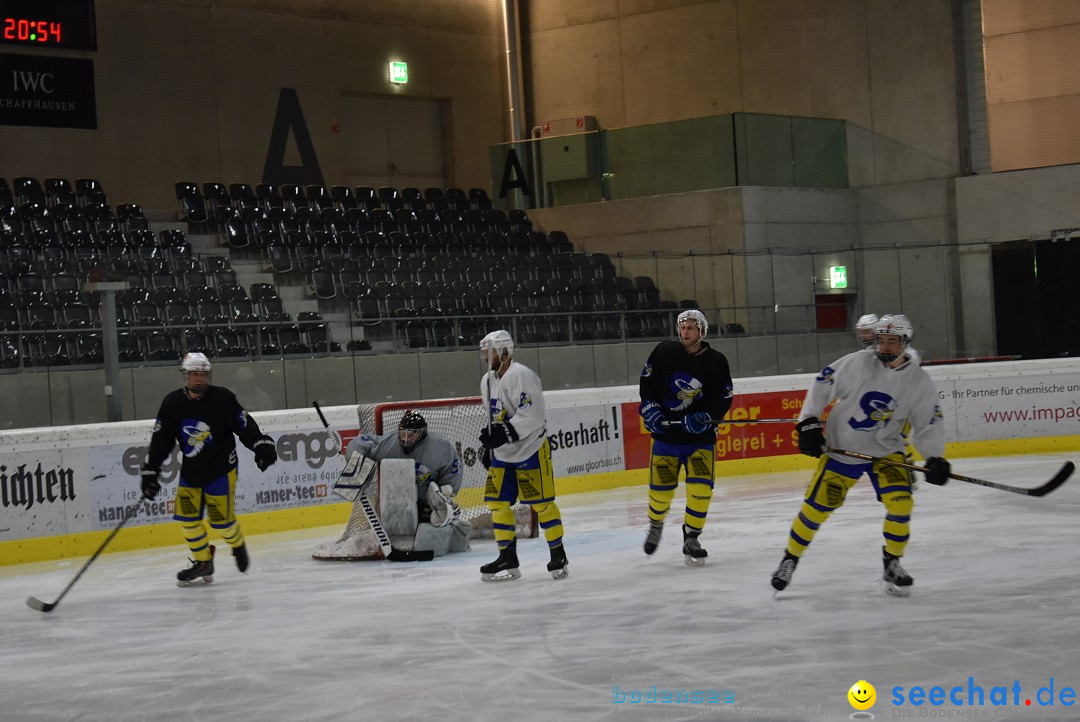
x,y
290,117
512,164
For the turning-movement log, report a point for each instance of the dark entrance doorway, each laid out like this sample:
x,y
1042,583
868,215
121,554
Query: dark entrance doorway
x,y
1037,298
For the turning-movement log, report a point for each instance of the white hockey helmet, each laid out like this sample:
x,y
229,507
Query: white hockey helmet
x,y
892,325
499,340
195,362
896,325
864,329
695,316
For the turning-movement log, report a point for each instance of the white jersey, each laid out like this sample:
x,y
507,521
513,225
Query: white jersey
x,y
436,458
516,397
873,402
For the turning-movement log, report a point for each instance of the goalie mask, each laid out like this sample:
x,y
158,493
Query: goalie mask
x,y
892,325
499,341
864,329
195,368
411,430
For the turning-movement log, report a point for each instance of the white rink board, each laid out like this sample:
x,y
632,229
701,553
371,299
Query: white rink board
x,y
97,465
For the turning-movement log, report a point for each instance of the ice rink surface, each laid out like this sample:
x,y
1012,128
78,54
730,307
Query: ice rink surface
x,y
996,600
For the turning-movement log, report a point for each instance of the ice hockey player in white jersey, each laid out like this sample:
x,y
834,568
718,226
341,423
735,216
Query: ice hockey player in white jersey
x,y
438,466
876,393
518,456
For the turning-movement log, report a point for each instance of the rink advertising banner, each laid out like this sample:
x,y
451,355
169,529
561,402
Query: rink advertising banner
x,y
586,439
42,493
309,461
44,91
733,441
1011,407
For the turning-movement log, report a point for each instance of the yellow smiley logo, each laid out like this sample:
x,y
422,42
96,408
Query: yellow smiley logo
x,y
862,695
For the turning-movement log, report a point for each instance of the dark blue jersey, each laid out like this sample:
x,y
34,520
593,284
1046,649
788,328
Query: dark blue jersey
x,y
206,429
685,384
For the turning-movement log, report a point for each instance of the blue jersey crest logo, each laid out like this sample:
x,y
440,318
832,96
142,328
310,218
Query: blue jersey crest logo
x,y
878,407
685,388
194,437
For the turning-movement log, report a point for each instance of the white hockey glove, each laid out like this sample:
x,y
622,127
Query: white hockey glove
x,y
443,508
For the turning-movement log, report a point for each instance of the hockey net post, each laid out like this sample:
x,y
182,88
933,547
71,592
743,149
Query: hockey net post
x,y
459,420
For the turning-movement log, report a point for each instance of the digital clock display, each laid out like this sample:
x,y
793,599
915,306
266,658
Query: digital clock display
x,y
48,23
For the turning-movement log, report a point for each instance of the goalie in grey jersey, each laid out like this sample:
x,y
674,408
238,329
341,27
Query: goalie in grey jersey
x,y
438,466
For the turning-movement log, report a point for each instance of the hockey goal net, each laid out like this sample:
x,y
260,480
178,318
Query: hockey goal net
x,y
459,420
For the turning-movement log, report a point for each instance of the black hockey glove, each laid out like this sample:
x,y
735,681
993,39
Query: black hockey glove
x,y
149,481
811,436
653,417
497,435
485,458
937,470
265,453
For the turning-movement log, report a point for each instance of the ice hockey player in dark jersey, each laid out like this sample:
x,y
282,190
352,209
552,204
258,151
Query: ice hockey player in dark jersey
x,y
685,387
204,420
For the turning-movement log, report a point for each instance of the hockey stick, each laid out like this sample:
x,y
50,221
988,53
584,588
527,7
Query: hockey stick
x,y
1055,481
724,422
35,603
369,510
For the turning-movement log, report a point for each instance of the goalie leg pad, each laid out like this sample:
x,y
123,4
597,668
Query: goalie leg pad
x,y
461,533
397,497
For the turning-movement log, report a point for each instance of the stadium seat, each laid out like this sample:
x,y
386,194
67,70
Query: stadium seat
x,y
244,201
192,205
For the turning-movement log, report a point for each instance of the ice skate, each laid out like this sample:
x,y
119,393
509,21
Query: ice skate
x,y
897,581
652,538
694,555
503,569
197,570
241,555
782,576
559,566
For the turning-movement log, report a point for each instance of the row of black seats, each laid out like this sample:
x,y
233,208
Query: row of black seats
x,y
466,332
309,337
215,202
403,240
437,298
67,308
334,220
77,244
327,277
54,191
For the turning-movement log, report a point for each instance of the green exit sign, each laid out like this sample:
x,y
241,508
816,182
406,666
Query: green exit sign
x,y
399,72
837,276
